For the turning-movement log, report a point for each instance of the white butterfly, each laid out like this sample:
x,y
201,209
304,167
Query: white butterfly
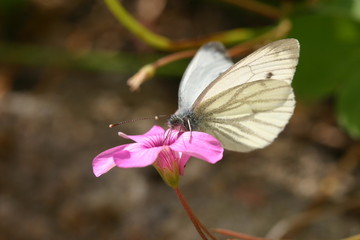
x,y
244,105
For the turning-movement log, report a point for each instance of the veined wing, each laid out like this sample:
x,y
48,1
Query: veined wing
x,y
209,62
249,116
276,60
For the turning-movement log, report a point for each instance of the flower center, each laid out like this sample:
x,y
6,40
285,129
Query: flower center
x,y
167,158
166,139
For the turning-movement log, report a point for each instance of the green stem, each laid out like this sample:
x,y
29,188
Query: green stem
x,y
146,72
135,27
163,43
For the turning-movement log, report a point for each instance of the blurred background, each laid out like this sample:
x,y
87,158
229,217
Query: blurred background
x,y
63,72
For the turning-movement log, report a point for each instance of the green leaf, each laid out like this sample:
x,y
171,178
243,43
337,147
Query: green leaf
x,y
349,8
348,105
330,60
326,58
11,5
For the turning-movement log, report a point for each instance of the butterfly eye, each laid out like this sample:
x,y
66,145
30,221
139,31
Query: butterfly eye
x,y
175,121
187,121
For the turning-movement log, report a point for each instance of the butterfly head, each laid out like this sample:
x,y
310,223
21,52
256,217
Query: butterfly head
x,y
185,121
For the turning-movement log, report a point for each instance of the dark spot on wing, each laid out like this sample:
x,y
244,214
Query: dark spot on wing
x,y
269,75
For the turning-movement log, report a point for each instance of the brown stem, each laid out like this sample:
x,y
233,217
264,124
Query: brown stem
x,y
281,30
258,7
199,227
173,57
236,234
149,70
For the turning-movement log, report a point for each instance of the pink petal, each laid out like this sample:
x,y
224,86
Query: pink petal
x,y
155,130
182,162
103,162
135,155
167,158
200,145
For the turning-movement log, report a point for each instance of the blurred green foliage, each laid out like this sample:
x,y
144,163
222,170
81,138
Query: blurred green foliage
x,y
328,32
330,58
6,6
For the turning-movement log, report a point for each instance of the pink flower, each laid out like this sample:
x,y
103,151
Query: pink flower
x,y
167,151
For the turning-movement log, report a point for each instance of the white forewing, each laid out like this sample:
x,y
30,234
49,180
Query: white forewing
x,y
248,105
209,62
248,116
276,60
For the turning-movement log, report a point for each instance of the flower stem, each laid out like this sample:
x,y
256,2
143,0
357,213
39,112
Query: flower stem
x,y
237,234
197,224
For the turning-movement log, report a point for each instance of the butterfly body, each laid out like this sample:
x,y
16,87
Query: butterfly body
x,y
244,105
187,121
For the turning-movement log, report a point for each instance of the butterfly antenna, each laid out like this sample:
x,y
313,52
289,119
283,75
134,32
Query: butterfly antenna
x,y
137,119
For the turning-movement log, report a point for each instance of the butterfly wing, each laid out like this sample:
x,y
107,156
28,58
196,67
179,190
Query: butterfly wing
x,y
209,62
277,61
248,116
249,105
